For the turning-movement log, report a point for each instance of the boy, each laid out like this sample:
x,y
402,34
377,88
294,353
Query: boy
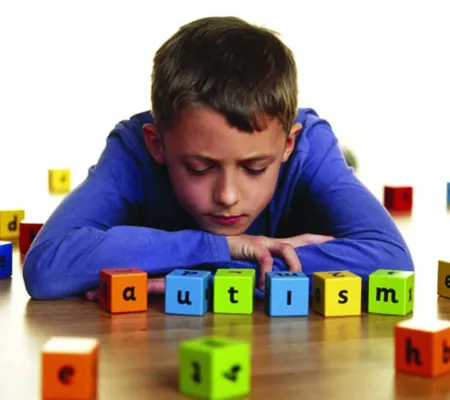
x,y
224,172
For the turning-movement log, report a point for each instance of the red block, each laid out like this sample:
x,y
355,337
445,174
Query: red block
x,y
27,233
398,198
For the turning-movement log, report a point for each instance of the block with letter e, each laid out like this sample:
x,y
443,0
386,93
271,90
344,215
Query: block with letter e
x,y
187,292
391,292
123,290
70,368
214,367
233,291
422,347
59,181
336,293
443,286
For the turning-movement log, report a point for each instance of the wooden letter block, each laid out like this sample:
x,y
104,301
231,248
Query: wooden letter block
x,y
422,348
27,233
123,290
6,250
214,367
337,293
70,368
391,292
398,198
443,279
9,223
233,291
286,294
448,194
59,180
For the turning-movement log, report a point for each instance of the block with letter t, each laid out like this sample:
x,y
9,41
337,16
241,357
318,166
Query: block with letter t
x,y
398,198
422,347
27,232
391,292
187,292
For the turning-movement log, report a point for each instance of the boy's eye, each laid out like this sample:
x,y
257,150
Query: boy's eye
x,y
198,171
251,171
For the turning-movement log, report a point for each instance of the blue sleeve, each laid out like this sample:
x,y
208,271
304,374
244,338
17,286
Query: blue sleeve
x,y
94,228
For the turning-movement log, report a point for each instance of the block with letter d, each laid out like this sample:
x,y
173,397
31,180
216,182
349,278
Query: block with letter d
x,y
422,347
187,292
9,223
123,290
391,292
443,286
336,293
233,291
6,251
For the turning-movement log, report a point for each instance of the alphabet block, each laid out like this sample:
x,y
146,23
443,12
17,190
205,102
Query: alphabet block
x,y
233,291
70,368
443,287
422,347
187,292
59,180
398,198
337,293
214,367
6,250
286,294
448,194
123,290
27,233
391,292
9,223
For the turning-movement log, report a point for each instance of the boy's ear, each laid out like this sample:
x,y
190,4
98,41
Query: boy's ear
x,y
153,142
290,141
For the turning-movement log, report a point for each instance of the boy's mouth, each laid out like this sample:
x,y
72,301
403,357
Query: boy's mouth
x,y
226,220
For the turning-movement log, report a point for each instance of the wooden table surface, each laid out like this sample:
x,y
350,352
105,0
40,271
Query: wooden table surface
x,y
292,358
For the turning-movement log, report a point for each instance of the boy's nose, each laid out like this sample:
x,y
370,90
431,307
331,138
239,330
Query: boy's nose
x,y
226,193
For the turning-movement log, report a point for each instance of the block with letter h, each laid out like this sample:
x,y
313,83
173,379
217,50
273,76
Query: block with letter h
x,y
422,347
123,290
286,294
187,292
336,293
6,250
391,292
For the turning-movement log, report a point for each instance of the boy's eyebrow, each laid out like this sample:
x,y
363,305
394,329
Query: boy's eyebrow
x,y
260,157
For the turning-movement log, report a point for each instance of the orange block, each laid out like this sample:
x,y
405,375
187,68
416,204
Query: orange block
x,y
123,290
422,348
27,233
70,368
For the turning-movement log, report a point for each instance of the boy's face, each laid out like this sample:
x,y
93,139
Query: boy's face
x,y
217,171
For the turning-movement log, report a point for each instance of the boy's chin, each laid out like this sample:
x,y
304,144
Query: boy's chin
x,y
225,231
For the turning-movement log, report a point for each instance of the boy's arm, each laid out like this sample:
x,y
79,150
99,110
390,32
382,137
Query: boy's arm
x,y
92,229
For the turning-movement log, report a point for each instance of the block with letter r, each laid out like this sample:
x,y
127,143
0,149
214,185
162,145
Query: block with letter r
x,y
391,292
187,292
443,283
6,250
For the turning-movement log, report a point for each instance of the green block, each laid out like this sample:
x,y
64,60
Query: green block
x,y
233,291
214,367
391,292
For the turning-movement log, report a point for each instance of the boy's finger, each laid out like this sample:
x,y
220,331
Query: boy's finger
x,y
91,295
265,262
156,285
290,256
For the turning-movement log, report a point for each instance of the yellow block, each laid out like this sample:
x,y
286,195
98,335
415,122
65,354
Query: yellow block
x,y
443,283
337,293
59,180
10,223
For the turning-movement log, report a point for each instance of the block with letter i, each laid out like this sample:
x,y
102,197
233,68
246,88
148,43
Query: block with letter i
x,y
70,368
214,367
6,250
336,293
9,223
59,181
422,347
233,291
391,292
443,286
27,233
187,292
398,198
123,290
286,294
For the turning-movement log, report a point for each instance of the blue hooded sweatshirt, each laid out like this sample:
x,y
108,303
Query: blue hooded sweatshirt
x,y
125,214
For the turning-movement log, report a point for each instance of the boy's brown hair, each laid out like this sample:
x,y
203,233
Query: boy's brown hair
x,y
240,70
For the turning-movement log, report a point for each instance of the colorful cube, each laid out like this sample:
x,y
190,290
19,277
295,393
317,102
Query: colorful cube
x,y
123,290
59,181
214,367
233,291
187,292
398,198
336,293
9,223
70,368
391,292
422,347
27,233
448,194
286,294
443,286
6,250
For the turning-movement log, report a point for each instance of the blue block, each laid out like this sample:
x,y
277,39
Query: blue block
x,y
187,292
286,294
448,194
6,249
